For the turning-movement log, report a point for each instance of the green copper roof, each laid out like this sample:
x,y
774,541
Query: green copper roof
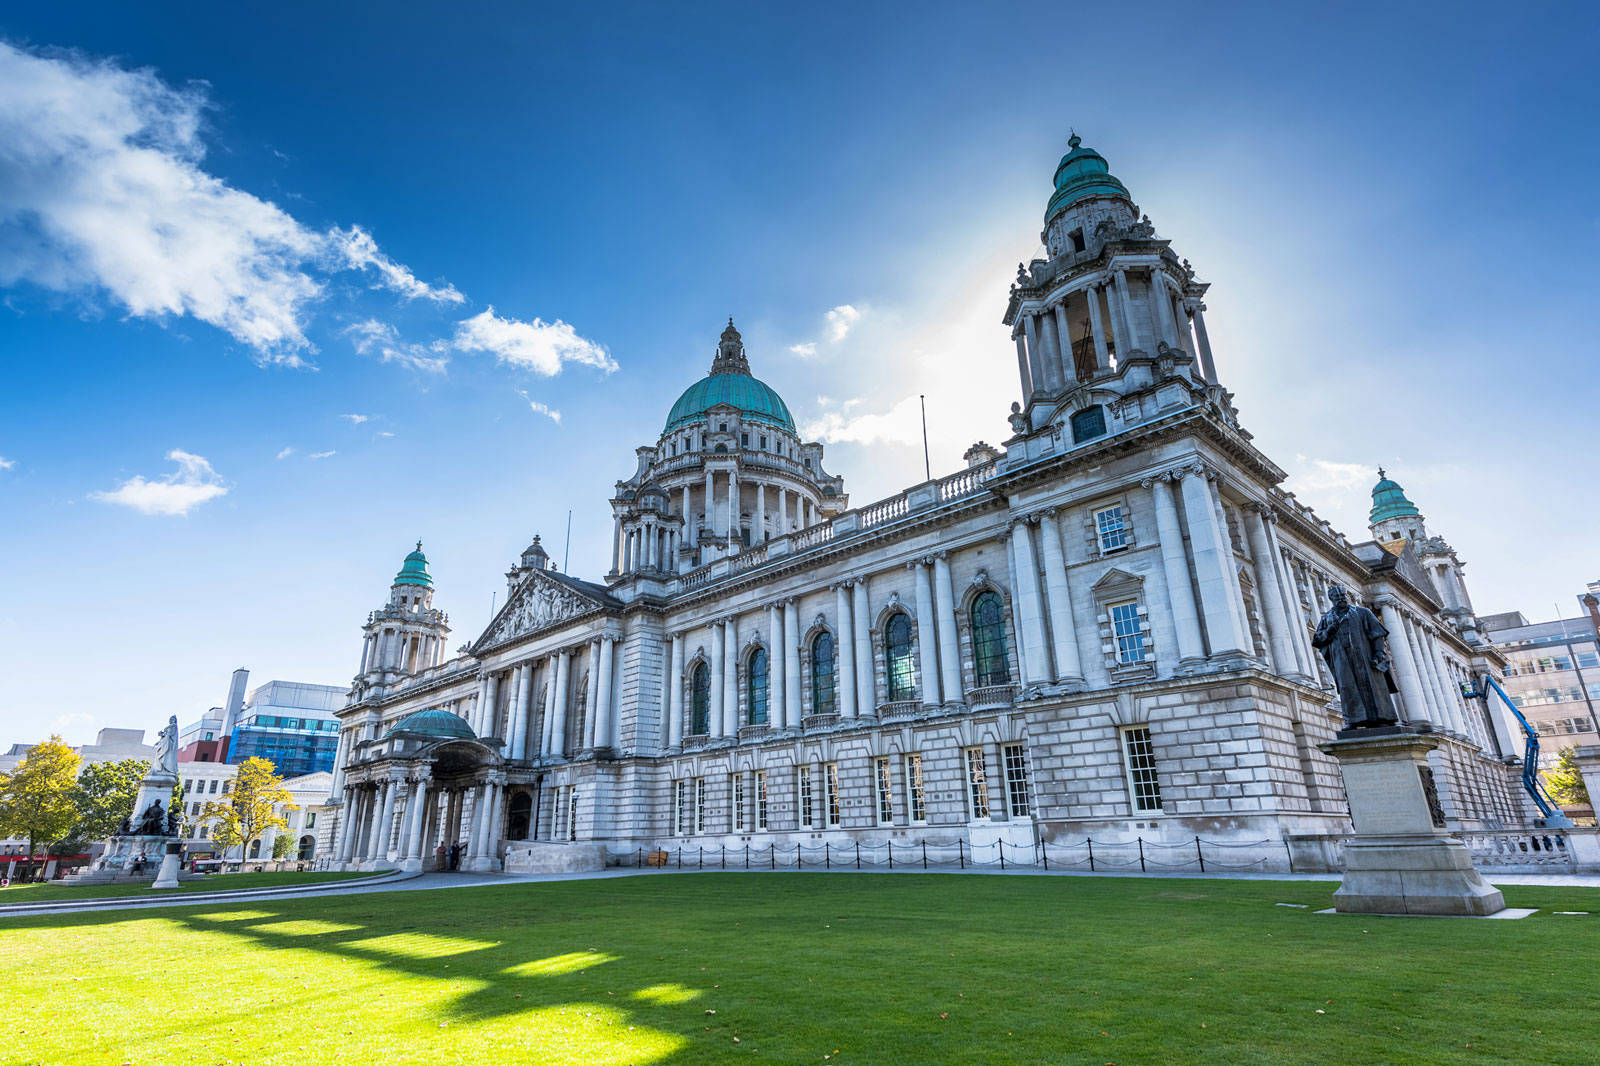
x,y
1082,175
433,723
754,398
415,570
1389,501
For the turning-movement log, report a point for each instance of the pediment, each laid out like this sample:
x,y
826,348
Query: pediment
x,y
543,601
1115,580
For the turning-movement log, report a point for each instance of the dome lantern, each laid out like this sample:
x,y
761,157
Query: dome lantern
x,y
414,571
1082,174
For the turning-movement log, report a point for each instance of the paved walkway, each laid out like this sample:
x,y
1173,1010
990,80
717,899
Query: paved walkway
x,y
400,882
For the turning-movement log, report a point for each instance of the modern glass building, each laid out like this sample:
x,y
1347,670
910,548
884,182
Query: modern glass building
x,y
291,724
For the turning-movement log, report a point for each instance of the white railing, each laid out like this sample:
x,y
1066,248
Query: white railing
x,y
811,537
876,514
1533,847
966,482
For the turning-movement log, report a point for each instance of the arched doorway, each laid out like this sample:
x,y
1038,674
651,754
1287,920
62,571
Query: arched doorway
x,y
308,848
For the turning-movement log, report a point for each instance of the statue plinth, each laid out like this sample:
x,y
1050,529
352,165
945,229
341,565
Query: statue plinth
x,y
1402,860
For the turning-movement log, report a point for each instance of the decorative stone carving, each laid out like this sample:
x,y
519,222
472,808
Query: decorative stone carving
x,y
542,602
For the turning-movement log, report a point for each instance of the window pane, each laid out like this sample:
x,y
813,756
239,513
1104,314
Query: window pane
x,y
822,674
977,784
761,799
989,640
807,812
1125,626
897,651
1142,769
831,773
885,794
1109,524
915,803
1017,781
700,701
758,687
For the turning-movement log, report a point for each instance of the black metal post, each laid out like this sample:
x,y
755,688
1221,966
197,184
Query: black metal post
x,y
1090,842
924,854
1199,854
858,854
827,855
961,853
1141,855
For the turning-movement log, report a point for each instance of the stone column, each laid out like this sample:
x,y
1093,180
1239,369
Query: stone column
x,y
1097,329
1063,624
675,696
760,534
688,515
1036,360
519,691
383,824
1208,367
563,687
1231,571
546,744
341,842
414,834
1161,296
1404,667
730,679
1035,656
844,649
1069,365
616,545
491,718
1024,374
866,673
733,505
1050,341
1014,583
777,672
604,729
927,634
791,664
1175,568
1278,638
590,694
711,496
1125,306
949,644
714,715
1212,560
783,511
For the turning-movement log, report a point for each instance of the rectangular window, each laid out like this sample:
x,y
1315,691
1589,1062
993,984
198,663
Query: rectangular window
x,y
808,818
1588,658
1125,627
311,820
880,773
1141,757
761,799
572,814
203,831
1110,525
977,784
213,787
736,787
188,785
1016,760
699,805
680,808
916,799
831,776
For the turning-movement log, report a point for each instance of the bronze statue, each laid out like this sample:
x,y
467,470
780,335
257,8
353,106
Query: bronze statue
x,y
1355,646
154,821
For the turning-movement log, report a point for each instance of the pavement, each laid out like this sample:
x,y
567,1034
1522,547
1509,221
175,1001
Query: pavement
x,y
411,882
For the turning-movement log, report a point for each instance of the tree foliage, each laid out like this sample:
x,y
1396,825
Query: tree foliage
x,y
104,796
1565,781
37,798
283,846
255,805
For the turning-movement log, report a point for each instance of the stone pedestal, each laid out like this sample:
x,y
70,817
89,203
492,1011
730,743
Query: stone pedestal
x,y
170,864
548,857
1401,859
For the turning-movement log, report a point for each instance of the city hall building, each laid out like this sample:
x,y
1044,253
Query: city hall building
x,y
1099,628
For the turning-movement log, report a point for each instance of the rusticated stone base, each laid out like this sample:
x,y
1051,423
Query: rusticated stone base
x,y
544,857
1413,875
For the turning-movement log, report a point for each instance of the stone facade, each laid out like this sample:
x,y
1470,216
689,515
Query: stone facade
x,y
1103,629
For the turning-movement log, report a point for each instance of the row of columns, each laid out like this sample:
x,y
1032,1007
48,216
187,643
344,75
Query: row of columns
x,y
648,543
391,648
376,830
556,671
654,542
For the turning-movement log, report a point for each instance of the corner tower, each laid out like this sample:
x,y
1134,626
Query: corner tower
x,y
1394,520
406,635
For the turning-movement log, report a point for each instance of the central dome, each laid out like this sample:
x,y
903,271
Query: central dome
x,y
434,722
731,383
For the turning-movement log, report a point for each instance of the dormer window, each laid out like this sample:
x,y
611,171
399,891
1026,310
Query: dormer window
x,y
763,443
1076,237
722,427
744,440
1088,424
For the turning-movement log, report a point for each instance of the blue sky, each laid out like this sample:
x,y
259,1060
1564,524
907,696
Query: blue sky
x,y
222,234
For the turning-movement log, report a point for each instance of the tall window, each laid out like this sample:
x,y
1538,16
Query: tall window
x,y
756,687
808,815
977,784
885,796
700,701
736,786
916,799
822,701
830,773
897,657
1141,759
761,799
1016,759
989,640
572,814
699,805
1111,526
1126,629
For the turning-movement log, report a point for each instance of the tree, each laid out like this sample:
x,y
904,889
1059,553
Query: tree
x,y
283,846
104,796
36,799
1565,781
256,804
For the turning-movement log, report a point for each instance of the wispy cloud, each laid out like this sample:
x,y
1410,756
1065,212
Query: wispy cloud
x,y
540,408
384,433
178,493
807,350
356,420
284,453
322,455
538,346
373,336
7,464
1326,475
841,320
360,251
901,424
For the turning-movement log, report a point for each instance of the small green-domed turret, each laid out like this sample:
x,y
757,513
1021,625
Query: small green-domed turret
x,y
1082,174
415,570
1389,501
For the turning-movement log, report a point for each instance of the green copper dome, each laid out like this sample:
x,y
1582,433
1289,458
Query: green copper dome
x,y
415,570
754,398
433,723
1082,175
1389,501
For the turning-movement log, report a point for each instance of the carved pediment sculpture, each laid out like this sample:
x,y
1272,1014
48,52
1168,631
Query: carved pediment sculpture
x,y
540,602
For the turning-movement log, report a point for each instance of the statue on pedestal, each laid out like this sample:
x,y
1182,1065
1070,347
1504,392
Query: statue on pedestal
x,y
1355,646
154,821
167,749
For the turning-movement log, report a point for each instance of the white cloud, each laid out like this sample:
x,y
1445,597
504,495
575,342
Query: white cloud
x,y
356,420
103,193
385,433
1325,475
7,464
804,351
841,320
901,424
538,346
178,493
380,337
284,453
321,455
539,408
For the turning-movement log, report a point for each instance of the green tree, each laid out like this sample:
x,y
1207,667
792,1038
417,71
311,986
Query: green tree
x,y
36,799
104,796
283,846
255,805
1565,781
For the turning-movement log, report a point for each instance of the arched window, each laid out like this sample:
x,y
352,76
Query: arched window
x,y
756,688
308,848
520,817
700,701
897,657
822,701
989,640
255,849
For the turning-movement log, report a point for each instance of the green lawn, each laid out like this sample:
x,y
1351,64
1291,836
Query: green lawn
x,y
44,892
921,969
